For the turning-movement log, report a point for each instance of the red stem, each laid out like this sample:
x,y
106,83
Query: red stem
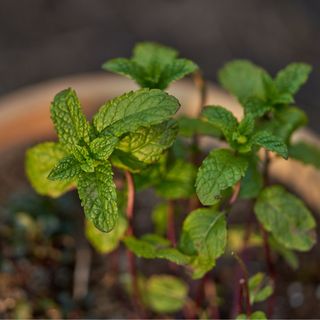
x,y
271,269
136,297
267,249
245,283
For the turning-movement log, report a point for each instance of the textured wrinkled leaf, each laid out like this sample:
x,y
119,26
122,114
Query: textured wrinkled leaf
x,y
259,288
66,169
148,144
126,67
178,181
222,119
206,229
191,126
306,153
98,197
286,120
176,70
106,242
69,121
286,217
219,171
246,125
252,182
40,160
165,293
243,79
151,55
102,147
255,106
292,77
141,108
152,65
270,142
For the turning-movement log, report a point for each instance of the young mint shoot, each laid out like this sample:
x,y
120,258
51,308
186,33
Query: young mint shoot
x,y
137,133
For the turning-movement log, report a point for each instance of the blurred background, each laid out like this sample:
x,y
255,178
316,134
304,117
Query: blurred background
x,y
43,39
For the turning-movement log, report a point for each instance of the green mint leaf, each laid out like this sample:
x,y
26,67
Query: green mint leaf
x,y
191,126
152,66
165,293
286,217
126,67
255,106
173,255
243,79
141,108
152,174
69,121
286,120
222,119
102,147
289,256
106,242
98,197
152,246
219,171
259,288
66,169
159,217
206,229
40,160
252,182
257,315
125,161
246,125
153,56
270,142
141,248
306,153
176,70
148,144
291,78
178,181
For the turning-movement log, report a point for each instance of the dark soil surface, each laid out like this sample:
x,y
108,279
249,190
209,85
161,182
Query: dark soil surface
x,y
40,239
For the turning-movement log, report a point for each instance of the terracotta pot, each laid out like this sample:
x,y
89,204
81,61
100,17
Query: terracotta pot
x,y
25,119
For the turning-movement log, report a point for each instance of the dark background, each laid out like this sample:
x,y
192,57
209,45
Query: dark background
x,y
43,39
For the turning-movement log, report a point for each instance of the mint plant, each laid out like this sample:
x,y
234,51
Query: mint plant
x,y
137,135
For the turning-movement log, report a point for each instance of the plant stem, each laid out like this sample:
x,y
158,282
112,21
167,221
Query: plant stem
x,y
265,236
136,297
201,86
244,282
171,233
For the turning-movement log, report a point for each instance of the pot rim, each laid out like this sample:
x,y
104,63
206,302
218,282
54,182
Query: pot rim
x,y
27,109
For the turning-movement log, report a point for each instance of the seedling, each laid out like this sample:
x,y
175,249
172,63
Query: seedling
x,y
137,134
